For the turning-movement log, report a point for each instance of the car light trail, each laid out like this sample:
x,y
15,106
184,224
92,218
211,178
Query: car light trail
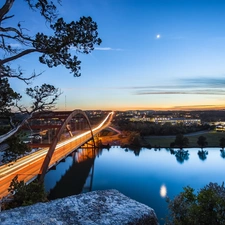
x,y
20,164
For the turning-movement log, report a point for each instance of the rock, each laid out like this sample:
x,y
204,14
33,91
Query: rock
x,y
108,207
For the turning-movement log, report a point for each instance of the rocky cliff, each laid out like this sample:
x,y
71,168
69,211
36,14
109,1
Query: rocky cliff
x,y
108,207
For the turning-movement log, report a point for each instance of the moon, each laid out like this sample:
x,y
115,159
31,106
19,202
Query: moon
x,y
158,36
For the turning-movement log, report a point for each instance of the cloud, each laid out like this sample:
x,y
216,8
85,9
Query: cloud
x,y
179,92
108,49
193,86
15,45
99,49
206,82
159,87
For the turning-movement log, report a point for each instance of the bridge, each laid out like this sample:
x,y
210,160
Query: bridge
x,y
83,160
38,163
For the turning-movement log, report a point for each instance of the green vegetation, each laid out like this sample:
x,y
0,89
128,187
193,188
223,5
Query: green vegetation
x,y
180,141
151,128
16,147
25,194
222,142
205,207
213,139
202,141
158,136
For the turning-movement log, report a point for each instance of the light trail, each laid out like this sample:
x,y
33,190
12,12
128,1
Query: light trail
x,y
83,134
25,165
21,165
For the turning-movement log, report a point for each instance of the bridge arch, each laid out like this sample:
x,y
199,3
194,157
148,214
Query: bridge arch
x,y
56,139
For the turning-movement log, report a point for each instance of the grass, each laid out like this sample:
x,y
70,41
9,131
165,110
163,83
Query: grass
x,y
212,137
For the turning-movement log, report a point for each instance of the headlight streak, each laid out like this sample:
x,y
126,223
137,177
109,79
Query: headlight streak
x,y
21,163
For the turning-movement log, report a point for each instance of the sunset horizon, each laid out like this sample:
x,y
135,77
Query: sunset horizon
x,y
155,55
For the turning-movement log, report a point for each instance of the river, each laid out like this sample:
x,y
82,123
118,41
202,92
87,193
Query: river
x,y
146,175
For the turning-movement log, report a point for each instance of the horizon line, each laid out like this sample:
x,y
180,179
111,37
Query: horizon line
x,y
175,108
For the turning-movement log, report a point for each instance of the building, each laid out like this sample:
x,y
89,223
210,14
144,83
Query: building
x,y
163,120
174,121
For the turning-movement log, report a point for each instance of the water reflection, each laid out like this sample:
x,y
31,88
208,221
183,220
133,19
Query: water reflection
x,y
145,175
222,153
136,150
172,151
79,176
202,154
181,155
163,191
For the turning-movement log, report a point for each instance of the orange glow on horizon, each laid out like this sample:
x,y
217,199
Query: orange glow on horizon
x,y
157,108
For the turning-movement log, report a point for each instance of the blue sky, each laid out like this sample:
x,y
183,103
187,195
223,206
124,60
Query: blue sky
x,y
184,68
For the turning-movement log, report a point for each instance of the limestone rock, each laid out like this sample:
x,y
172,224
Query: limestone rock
x,y
108,207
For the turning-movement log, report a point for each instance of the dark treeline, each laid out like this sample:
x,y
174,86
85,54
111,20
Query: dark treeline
x,y
149,128
212,116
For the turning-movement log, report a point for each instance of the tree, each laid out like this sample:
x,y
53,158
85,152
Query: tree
x,y
15,147
26,194
43,98
202,142
222,143
54,50
7,96
134,139
181,141
205,207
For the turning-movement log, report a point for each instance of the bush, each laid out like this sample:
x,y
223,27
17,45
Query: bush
x,y
26,194
207,207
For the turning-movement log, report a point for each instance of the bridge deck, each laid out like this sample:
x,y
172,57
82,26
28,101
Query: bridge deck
x,y
28,167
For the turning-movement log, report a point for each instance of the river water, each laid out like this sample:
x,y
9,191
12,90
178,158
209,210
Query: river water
x,y
146,175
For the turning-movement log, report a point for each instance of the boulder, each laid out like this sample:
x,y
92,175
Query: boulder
x,y
105,207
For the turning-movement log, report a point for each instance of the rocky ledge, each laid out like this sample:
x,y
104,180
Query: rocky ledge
x,y
94,208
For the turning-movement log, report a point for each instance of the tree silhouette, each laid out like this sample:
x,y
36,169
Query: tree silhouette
x,y
181,141
222,143
181,156
59,46
202,155
202,142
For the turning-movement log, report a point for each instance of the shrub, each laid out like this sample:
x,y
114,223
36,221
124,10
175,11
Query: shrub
x,y
207,207
26,194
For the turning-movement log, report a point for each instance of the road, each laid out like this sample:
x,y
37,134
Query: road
x,y
28,167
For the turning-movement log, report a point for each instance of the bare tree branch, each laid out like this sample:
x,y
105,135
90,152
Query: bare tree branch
x,y
20,37
7,17
21,54
8,72
5,8
44,98
15,129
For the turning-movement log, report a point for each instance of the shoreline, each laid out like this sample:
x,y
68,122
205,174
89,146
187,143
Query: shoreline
x,y
213,139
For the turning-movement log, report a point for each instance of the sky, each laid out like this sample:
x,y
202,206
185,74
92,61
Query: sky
x,y
155,55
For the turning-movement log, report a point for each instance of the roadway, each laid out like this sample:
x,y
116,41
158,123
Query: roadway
x,y
28,167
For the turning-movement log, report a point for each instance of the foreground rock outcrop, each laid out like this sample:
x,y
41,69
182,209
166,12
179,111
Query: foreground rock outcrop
x,y
93,208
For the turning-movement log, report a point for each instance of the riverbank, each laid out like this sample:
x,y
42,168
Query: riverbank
x,y
115,140
212,137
